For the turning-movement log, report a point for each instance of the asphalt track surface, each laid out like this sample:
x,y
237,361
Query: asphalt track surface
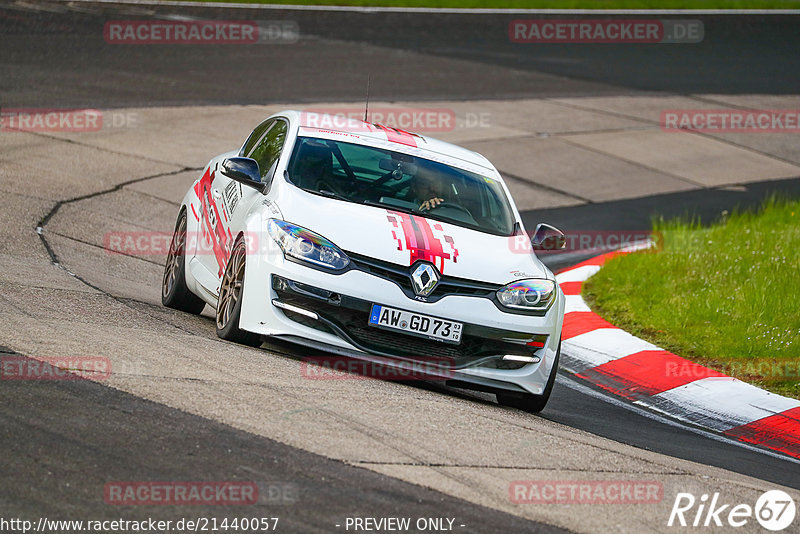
x,y
61,58
88,433
116,436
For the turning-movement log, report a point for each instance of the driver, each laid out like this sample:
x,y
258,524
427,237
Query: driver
x,y
428,189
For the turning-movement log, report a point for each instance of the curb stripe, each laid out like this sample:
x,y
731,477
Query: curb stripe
x,y
605,344
579,274
575,304
779,432
646,373
581,322
598,260
571,288
720,403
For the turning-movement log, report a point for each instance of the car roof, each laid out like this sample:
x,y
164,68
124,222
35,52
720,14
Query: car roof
x,y
368,131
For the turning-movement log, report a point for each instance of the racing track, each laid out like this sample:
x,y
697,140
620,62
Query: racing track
x,y
183,405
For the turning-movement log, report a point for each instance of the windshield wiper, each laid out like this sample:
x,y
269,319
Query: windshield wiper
x,y
388,206
330,194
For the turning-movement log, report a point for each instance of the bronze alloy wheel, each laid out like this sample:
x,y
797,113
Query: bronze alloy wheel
x,y
174,292
174,263
229,303
230,290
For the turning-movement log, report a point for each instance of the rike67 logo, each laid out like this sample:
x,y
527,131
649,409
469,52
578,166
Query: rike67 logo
x,y
774,510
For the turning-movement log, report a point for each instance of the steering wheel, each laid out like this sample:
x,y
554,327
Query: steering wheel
x,y
454,206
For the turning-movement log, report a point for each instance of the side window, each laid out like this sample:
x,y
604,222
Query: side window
x,y
255,136
268,149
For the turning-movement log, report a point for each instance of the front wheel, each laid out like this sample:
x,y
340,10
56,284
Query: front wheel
x,y
527,401
174,293
229,304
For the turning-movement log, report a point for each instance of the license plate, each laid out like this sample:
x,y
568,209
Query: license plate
x,y
415,323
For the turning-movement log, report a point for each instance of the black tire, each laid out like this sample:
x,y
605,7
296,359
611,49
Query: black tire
x,y
527,401
174,293
229,303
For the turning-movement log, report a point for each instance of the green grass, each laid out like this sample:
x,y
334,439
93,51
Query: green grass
x,y
726,296
549,4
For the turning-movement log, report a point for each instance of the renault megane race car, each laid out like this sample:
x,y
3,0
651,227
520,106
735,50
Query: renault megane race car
x,y
373,243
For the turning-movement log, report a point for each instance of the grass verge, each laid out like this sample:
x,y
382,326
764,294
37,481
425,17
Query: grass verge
x,y
726,296
544,4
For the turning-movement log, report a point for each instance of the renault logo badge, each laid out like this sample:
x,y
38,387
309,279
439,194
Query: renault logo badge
x,y
424,278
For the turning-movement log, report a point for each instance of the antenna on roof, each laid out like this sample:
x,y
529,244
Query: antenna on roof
x,y
366,106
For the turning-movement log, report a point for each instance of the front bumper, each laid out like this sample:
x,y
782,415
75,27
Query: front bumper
x,y
330,312
347,317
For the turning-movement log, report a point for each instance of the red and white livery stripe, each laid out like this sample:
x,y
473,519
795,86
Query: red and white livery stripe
x,y
421,240
629,367
398,136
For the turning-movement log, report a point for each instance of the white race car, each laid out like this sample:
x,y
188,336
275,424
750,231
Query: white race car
x,y
373,243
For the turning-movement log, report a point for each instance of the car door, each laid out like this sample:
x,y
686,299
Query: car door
x,y
215,241
225,202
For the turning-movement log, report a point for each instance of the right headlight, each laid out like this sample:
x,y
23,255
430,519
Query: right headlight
x,y
530,295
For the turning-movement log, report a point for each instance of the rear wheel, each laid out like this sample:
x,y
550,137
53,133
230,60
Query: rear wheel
x,y
174,293
527,401
229,304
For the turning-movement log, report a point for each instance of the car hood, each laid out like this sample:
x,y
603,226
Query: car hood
x,y
403,239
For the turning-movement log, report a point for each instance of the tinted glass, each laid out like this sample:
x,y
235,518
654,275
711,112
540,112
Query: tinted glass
x,y
257,134
268,149
374,176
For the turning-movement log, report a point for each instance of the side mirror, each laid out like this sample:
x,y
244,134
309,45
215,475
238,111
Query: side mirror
x,y
547,237
243,170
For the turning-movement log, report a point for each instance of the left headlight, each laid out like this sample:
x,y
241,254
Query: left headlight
x,y
307,246
531,295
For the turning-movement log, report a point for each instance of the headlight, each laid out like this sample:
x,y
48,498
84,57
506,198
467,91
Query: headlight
x,y
305,245
530,295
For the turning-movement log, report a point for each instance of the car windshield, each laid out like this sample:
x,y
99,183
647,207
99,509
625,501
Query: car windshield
x,y
394,180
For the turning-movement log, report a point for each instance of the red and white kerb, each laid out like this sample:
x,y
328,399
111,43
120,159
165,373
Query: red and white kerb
x,y
629,367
